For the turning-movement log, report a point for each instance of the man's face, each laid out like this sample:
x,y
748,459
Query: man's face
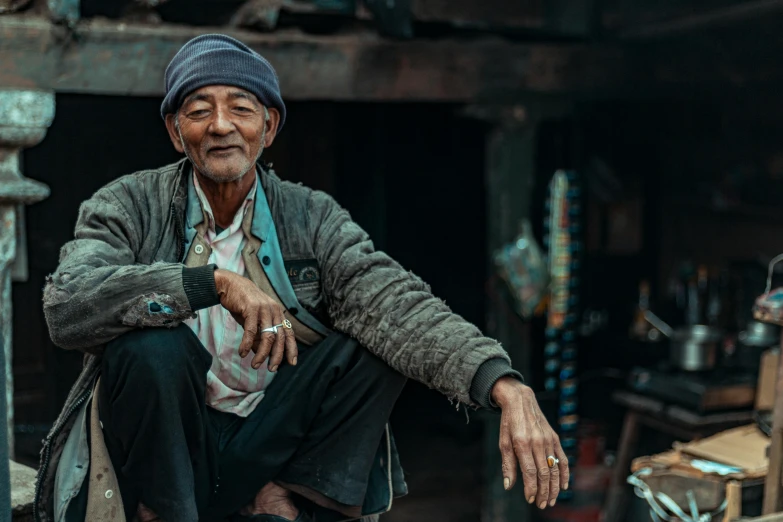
x,y
222,130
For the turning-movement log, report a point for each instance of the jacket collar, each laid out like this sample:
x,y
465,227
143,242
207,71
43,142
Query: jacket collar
x,y
262,223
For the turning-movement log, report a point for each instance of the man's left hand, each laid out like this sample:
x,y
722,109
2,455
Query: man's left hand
x,y
526,441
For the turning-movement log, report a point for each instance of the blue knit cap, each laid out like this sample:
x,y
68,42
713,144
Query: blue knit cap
x,y
216,59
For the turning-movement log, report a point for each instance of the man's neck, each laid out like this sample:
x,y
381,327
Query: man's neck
x,y
226,198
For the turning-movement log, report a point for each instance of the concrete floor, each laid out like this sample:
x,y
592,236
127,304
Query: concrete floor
x,y
442,459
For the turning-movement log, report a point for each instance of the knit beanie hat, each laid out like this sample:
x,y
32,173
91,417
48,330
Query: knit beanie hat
x,y
216,59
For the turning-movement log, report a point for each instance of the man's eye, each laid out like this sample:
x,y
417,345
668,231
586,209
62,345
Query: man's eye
x,y
198,113
243,109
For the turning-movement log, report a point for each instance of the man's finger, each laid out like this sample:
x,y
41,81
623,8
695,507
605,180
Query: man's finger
x,y
554,471
508,460
264,348
264,345
539,470
524,455
278,346
565,472
248,338
291,350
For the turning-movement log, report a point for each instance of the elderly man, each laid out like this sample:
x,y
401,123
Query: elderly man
x,y
176,275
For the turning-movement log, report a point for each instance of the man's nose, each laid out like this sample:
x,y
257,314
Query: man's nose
x,y
221,124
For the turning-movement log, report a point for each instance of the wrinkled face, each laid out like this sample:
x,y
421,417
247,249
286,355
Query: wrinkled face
x,y
222,130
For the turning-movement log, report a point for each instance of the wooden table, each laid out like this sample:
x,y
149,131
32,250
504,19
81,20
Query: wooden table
x,y
678,422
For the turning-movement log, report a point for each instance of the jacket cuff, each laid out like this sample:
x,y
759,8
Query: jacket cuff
x,y
199,283
485,378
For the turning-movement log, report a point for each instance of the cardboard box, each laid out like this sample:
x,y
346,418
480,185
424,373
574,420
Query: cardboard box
x,y
765,390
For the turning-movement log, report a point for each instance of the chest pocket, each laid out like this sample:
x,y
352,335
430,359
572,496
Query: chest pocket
x,y
305,278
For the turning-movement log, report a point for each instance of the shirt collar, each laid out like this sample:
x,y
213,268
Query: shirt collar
x,y
198,204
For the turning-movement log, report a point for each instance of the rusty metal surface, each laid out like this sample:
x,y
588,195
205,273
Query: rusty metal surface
x,y
7,254
9,6
24,116
64,10
125,59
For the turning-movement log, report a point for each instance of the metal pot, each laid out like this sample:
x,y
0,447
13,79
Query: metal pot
x,y
695,348
763,335
757,338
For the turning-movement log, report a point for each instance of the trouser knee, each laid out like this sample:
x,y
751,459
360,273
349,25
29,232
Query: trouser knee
x,y
155,356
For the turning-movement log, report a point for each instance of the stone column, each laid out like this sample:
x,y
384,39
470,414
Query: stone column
x,y
25,116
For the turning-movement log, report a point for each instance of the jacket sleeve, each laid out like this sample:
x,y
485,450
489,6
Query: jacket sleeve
x,y
98,291
392,312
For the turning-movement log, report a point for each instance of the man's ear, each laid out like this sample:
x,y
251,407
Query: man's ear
x,y
271,127
171,126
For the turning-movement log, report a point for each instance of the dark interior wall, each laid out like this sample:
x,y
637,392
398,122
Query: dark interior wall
x,y
412,175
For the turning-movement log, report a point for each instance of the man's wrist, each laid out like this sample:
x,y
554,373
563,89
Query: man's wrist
x,y
220,281
508,389
485,378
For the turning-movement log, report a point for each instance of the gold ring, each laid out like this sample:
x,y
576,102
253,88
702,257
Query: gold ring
x,y
287,324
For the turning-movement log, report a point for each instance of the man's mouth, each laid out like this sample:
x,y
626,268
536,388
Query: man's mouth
x,y
223,149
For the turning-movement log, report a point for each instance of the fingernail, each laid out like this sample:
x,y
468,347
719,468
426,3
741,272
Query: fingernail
x,y
507,483
273,368
542,505
565,488
552,502
293,363
255,366
530,500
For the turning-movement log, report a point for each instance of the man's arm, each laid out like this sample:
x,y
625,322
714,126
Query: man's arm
x,y
98,292
393,313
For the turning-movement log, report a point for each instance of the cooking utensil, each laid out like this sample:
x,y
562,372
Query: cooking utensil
x,y
695,348
760,334
659,323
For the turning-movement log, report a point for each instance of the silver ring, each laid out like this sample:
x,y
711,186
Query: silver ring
x,y
274,328
552,461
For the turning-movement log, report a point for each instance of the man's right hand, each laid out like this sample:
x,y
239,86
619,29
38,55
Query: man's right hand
x,y
254,310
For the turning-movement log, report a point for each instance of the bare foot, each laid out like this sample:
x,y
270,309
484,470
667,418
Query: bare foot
x,y
272,500
145,514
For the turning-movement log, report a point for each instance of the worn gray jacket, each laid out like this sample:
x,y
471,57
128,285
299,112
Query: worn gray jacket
x,y
130,242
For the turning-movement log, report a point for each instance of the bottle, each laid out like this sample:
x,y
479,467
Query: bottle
x,y
703,290
640,327
714,304
692,299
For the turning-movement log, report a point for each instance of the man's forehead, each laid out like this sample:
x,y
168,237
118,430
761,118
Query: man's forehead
x,y
213,92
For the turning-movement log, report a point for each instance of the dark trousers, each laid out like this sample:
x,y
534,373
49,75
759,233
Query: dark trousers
x,y
316,431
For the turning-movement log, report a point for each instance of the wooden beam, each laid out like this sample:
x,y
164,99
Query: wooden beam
x,y
554,17
705,20
732,62
498,13
113,58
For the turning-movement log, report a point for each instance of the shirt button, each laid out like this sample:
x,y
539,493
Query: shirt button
x,y
109,493
199,249
266,260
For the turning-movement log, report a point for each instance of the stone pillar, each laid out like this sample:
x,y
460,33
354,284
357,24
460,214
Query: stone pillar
x,y
25,116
